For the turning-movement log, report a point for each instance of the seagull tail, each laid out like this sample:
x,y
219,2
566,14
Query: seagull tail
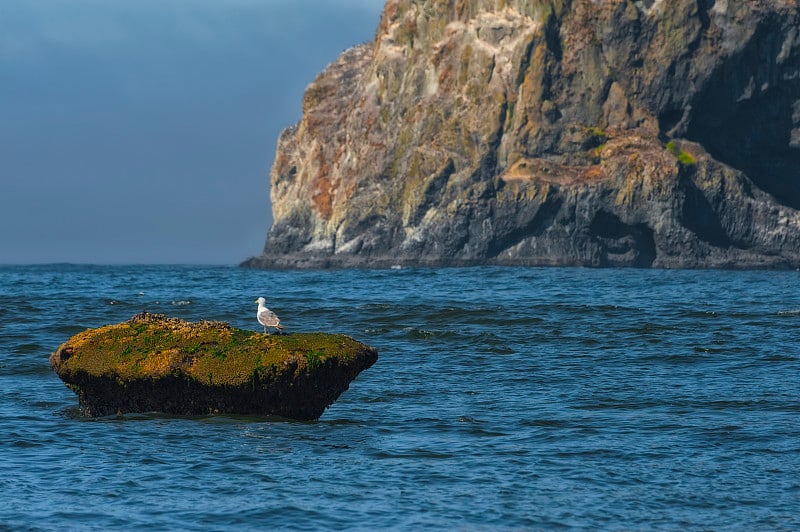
x,y
279,326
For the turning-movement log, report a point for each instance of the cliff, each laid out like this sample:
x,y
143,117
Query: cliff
x,y
159,364
550,132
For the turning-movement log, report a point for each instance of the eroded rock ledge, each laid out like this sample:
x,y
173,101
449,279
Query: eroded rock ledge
x,y
153,363
580,132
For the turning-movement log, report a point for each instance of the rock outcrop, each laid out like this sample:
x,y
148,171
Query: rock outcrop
x,y
152,363
646,133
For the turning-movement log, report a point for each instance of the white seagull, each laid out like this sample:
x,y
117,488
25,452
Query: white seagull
x,y
266,317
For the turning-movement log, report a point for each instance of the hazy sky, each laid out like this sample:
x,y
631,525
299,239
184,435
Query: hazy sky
x,y
142,131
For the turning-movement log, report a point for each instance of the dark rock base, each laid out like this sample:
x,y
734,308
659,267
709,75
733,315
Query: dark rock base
x,y
303,398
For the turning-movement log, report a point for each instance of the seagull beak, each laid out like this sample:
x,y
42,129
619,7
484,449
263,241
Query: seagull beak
x,y
256,301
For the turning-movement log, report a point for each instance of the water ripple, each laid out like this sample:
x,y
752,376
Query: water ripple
x,y
503,399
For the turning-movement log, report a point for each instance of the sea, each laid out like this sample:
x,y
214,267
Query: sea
x,y
502,399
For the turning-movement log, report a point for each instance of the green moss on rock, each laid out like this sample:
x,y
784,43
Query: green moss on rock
x,y
156,363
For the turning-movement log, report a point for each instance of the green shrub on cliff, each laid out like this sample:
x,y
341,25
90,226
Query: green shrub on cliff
x,y
685,158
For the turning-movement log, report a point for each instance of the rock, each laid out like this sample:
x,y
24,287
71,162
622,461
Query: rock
x,y
543,132
160,364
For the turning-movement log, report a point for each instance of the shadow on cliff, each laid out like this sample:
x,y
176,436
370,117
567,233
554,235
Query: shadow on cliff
x,y
746,114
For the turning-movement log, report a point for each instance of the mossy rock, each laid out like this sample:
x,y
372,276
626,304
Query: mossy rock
x,y
153,363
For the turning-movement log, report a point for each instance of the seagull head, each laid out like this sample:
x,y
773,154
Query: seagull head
x,y
261,301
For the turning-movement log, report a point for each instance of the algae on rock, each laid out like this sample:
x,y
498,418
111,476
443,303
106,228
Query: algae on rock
x,y
156,363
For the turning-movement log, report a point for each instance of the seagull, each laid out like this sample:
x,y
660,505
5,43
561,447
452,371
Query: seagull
x,y
266,317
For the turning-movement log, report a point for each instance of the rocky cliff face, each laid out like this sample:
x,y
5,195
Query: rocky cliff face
x,y
559,132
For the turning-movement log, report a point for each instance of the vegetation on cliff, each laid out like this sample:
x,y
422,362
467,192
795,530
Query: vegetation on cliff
x,y
155,363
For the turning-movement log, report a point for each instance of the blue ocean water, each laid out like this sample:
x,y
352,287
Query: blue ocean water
x,y
503,398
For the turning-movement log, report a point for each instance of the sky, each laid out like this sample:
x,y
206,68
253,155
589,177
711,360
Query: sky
x,y
143,131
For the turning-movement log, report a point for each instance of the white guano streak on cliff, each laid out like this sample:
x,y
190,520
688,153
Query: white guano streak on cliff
x,y
512,31
656,9
497,35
